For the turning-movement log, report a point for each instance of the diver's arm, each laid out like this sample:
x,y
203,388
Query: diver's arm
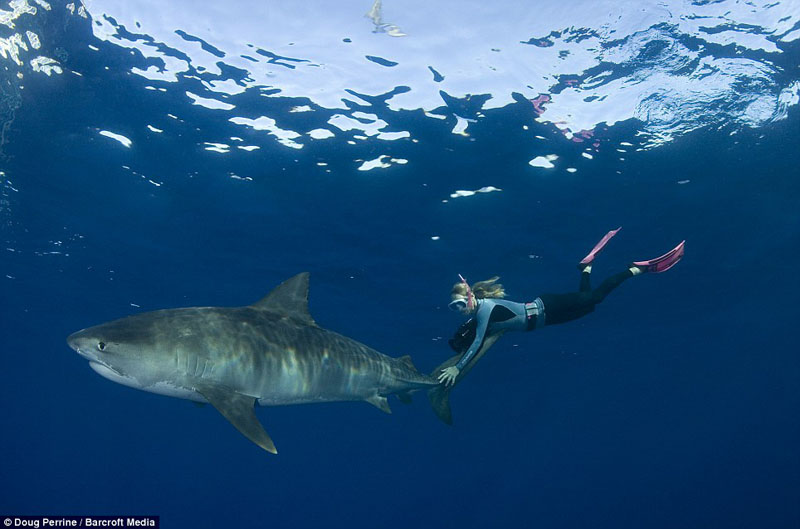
x,y
481,324
448,375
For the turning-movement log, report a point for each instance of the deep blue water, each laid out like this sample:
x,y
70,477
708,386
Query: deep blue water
x,y
674,405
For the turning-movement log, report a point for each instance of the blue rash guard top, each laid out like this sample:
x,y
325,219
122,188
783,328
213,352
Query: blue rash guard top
x,y
495,314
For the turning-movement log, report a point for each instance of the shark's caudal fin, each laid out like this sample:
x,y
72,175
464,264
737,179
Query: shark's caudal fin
x,y
439,396
238,409
440,402
290,298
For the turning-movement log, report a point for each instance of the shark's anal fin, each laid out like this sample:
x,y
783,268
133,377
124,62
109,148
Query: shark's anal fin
x,y
380,402
238,409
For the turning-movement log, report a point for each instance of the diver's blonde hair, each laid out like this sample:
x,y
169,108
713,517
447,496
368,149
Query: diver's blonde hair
x,y
482,289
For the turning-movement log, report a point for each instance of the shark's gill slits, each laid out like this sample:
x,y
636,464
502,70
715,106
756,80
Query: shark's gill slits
x,y
205,369
192,364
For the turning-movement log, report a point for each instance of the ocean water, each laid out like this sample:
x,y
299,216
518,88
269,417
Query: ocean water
x,y
168,154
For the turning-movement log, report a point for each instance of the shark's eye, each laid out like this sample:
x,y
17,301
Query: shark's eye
x,y
101,346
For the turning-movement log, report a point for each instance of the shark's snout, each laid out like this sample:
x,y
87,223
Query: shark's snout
x,y
79,343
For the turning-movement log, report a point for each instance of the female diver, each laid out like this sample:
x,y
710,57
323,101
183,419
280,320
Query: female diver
x,y
494,315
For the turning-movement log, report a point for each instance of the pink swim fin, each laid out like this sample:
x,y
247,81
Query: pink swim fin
x,y
663,263
597,247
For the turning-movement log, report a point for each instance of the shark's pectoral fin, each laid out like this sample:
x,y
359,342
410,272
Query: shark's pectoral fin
x,y
380,402
238,409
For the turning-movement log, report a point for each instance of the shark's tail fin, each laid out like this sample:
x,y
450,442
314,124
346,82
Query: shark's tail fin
x,y
440,402
440,395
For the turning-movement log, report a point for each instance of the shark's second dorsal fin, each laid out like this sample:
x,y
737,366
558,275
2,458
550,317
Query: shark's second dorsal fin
x,y
289,298
406,359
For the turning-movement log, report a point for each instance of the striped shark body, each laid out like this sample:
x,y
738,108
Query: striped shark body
x,y
271,353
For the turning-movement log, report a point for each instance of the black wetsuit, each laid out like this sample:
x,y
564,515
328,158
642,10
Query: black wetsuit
x,y
494,314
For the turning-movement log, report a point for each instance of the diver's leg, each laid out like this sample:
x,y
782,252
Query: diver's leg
x,y
561,308
657,265
605,288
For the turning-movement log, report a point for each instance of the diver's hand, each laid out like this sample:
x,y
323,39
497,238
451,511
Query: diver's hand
x,y
448,375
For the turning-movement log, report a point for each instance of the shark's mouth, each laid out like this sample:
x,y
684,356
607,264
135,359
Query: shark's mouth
x,y
111,374
103,369
163,387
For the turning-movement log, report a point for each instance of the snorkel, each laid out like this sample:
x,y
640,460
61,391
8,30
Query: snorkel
x,y
461,303
470,295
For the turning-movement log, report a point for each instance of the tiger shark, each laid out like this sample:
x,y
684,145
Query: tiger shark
x,y
271,353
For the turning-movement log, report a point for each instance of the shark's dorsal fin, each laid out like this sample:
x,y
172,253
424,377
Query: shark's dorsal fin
x,y
289,298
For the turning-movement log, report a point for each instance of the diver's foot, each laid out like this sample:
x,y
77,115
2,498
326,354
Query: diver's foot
x,y
663,263
597,247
